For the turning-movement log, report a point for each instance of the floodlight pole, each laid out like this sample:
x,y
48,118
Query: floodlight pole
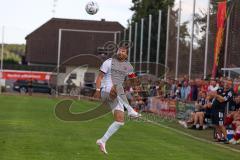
x,y
115,38
158,40
192,37
206,45
129,39
149,41
141,44
124,34
178,39
60,30
167,43
58,56
135,43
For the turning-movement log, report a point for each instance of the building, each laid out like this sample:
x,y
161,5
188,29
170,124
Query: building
x,y
73,43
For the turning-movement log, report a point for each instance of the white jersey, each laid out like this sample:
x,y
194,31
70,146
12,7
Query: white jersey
x,y
211,88
115,72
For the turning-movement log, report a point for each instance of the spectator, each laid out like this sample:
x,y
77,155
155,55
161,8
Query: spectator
x,y
201,109
204,86
136,100
177,94
173,88
185,91
30,87
194,91
213,86
153,91
234,120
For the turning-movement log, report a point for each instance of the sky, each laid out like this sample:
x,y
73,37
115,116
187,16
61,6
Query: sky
x,y
20,17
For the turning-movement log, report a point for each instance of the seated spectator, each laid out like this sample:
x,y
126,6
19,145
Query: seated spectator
x,y
234,105
234,120
201,111
136,99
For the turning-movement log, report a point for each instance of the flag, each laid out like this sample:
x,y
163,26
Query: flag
x,y
221,16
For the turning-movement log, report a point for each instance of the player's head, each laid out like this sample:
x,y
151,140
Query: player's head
x,y
228,84
237,100
203,94
122,53
213,82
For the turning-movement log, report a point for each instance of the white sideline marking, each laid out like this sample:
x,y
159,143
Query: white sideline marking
x,y
193,137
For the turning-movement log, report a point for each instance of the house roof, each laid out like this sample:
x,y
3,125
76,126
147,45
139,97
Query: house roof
x,y
101,25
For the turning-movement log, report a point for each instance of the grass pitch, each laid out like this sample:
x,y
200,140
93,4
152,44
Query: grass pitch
x,y
29,130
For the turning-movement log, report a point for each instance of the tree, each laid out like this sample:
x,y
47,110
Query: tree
x,y
142,9
13,53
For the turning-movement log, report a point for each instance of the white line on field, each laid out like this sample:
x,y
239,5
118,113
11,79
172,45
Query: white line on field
x,y
193,137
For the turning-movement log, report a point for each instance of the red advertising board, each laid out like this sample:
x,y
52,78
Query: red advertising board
x,y
162,107
25,75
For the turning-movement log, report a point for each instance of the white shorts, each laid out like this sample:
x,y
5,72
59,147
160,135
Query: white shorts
x,y
114,104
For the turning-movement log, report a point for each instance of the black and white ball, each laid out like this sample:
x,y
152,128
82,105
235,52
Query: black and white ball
x,y
92,7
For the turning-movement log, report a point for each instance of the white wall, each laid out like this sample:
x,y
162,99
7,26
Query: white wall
x,y
80,71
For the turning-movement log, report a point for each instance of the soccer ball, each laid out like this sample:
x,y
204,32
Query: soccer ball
x,y
91,7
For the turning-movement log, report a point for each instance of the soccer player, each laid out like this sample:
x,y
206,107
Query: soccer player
x,y
109,86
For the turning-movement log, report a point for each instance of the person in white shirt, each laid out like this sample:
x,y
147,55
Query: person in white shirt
x,y
213,87
109,86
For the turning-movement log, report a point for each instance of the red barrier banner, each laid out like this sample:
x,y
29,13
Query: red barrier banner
x,y
162,107
25,75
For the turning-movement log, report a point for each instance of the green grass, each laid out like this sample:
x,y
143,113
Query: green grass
x,y
29,130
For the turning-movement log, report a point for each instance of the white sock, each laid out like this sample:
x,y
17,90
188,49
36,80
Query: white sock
x,y
111,130
123,99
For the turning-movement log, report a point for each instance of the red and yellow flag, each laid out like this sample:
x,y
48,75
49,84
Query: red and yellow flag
x,y
221,16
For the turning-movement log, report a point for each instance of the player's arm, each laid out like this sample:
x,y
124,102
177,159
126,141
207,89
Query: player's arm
x,y
226,98
218,97
98,84
102,71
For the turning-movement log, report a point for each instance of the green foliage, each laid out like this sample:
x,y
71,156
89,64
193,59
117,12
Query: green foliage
x,y
18,49
13,53
143,8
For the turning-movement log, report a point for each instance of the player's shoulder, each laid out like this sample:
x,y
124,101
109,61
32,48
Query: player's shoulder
x,y
230,92
220,91
108,61
128,63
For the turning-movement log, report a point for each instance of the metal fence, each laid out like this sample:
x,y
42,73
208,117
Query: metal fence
x,y
183,45
166,44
